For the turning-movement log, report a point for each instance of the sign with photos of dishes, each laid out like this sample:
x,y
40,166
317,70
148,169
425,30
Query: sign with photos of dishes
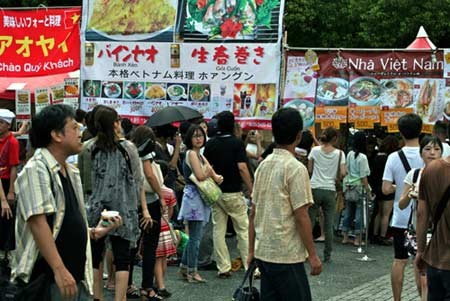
x,y
138,78
23,104
41,99
387,80
39,41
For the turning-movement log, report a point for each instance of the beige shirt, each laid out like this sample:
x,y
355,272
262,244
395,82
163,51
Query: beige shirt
x,y
281,186
34,187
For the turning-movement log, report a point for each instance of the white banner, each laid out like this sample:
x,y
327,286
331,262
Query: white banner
x,y
139,78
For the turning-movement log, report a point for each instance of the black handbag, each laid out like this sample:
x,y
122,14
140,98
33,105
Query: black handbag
x,y
36,290
247,293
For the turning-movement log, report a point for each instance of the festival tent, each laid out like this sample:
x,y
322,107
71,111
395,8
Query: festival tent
x,y
9,85
422,42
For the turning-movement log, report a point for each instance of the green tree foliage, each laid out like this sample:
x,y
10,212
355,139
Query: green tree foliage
x,y
365,24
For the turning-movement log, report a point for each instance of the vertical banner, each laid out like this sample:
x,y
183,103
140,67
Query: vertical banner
x,y
41,99
38,41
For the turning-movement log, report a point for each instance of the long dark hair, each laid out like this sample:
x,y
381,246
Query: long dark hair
x,y
359,143
104,120
144,139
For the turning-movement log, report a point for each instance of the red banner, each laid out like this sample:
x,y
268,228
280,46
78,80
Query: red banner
x,y
36,42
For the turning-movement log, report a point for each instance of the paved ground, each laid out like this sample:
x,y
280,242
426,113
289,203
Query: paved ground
x,y
345,278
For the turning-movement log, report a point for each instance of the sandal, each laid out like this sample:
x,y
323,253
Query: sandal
x,y
145,295
133,292
164,293
195,278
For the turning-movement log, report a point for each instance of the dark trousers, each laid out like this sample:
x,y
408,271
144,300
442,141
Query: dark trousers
x,y
7,241
283,281
150,239
438,284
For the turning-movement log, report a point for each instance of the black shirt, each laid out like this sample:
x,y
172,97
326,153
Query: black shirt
x,y
224,152
72,238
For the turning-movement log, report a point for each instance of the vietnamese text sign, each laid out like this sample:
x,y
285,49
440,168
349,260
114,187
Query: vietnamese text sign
x,y
37,42
331,116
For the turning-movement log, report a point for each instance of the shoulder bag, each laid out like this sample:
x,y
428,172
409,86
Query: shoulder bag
x,y
340,202
208,189
158,174
247,293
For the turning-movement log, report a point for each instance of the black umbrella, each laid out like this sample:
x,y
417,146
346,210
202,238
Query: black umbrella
x,y
172,114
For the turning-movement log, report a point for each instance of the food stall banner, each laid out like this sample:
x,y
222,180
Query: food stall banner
x,y
139,78
147,20
36,42
384,79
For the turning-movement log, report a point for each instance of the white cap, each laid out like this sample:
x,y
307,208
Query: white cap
x,y
6,115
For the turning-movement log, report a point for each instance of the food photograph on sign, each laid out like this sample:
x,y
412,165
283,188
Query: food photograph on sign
x,y
134,90
177,92
224,19
42,96
306,109
199,92
265,100
71,90
130,20
300,83
428,103
332,91
244,99
397,92
92,88
112,89
365,91
155,91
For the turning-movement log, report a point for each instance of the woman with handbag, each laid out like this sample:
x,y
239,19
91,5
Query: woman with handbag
x,y
327,166
194,210
430,149
355,185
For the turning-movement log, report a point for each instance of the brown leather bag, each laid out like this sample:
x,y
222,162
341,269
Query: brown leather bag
x,y
338,179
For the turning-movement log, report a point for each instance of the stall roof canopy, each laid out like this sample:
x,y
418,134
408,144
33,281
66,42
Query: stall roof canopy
x,y
422,42
8,85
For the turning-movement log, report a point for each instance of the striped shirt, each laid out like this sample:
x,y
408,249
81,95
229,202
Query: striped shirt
x,y
281,187
39,191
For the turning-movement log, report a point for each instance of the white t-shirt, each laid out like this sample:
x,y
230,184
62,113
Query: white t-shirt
x,y
445,150
395,172
324,168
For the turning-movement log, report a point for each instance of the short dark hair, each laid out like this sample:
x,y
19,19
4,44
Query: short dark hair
x,y
389,144
80,115
440,128
190,133
307,141
126,125
287,123
359,143
427,139
51,118
225,122
410,126
165,131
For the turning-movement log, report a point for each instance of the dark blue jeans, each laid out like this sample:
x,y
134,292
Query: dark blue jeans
x,y
438,284
283,281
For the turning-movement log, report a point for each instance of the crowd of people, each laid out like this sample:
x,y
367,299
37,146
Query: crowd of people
x,y
135,194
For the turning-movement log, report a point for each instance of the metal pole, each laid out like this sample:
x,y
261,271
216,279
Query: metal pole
x,y
365,213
